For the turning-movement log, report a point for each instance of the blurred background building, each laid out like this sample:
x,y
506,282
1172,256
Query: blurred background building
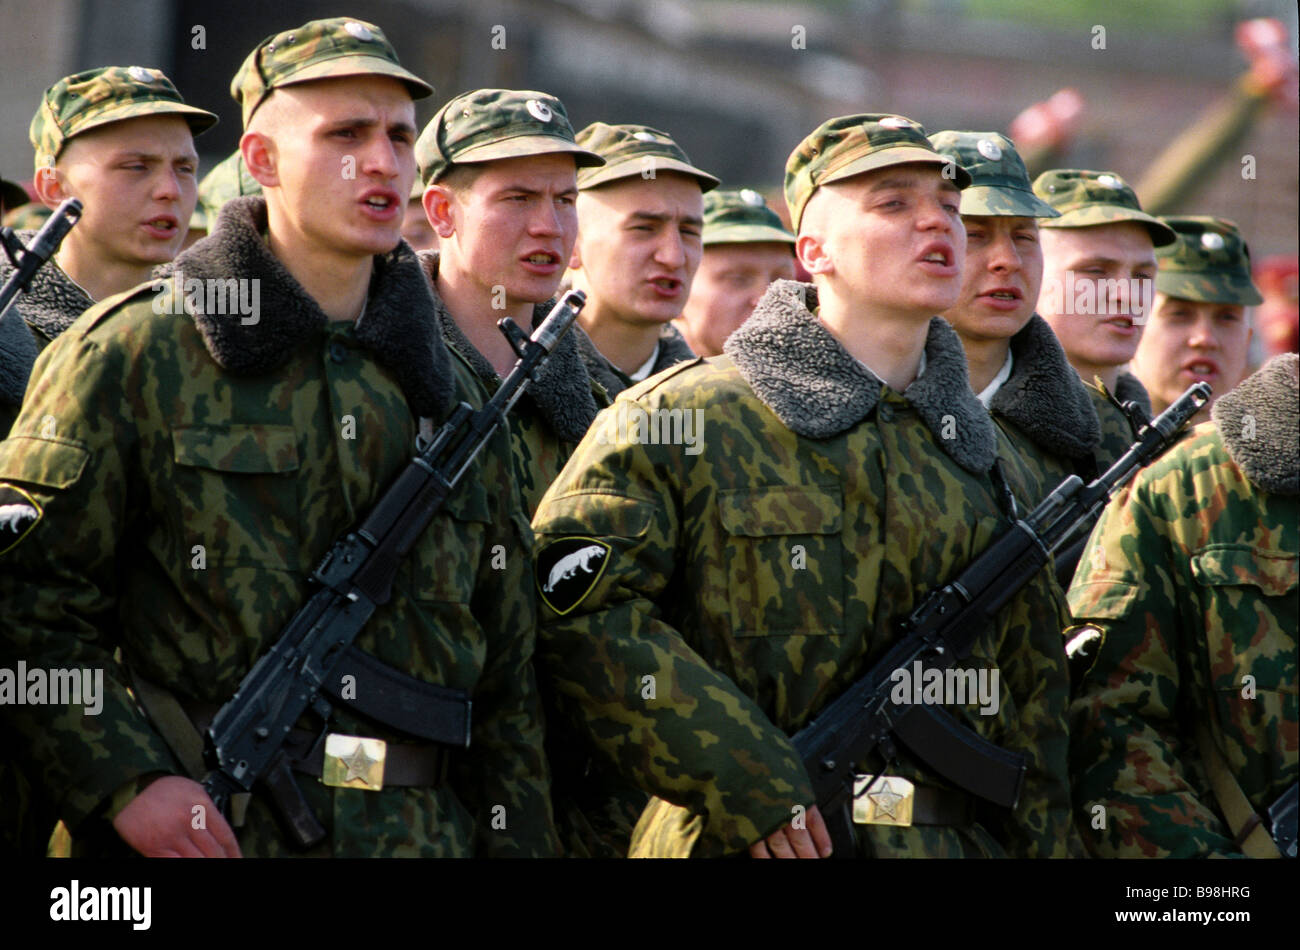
x,y
740,82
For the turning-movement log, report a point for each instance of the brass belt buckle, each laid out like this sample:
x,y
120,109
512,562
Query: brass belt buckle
x,y
354,762
889,803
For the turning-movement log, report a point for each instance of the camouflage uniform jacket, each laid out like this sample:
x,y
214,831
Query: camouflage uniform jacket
x,y
1192,578
48,306
673,349
191,473
821,507
554,413
1117,433
1045,411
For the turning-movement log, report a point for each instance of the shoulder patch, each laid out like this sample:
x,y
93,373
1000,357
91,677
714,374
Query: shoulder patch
x,y
568,569
19,514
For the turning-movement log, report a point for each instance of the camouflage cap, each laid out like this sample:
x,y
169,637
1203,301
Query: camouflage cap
x,y
228,179
1087,198
630,151
12,194
741,217
321,49
490,124
852,144
96,97
1000,185
1208,263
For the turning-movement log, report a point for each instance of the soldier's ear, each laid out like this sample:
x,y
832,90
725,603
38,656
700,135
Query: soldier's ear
x,y
437,203
260,158
50,187
575,256
811,252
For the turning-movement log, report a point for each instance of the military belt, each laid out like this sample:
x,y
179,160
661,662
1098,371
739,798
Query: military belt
x,y
405,764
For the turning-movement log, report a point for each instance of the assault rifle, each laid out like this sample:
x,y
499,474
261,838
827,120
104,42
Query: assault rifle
x,y
943,629
244,742
28,260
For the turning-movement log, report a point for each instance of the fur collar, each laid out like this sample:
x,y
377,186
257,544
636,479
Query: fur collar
x,y
562,390
1267,450
673,349
1129,388
802,373
397,326
52,301
1044,396
18,351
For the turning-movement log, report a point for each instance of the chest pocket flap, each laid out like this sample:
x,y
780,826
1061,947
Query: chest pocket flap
x,y
239,449
1275,573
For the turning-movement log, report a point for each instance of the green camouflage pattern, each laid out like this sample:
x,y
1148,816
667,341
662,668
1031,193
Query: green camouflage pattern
x,y
1000,185
320,49
742,217
703,566
228,179
849,145
1191,576
490,124
635,151
153,449
1087,198
96,97
1117,432
1209,263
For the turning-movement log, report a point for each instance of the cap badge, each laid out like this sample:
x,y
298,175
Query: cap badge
x,y
539,110
894,122
751,198
359,31
1212,241
1109,181
645,137
989,149
140,74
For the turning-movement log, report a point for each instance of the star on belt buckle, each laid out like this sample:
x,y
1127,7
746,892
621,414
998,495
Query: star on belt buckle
x,y
354,762
888,803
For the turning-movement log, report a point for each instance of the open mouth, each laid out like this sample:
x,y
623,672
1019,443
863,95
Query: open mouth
x,y
541,259
379,202
666,283
162,224
1202,368
936,257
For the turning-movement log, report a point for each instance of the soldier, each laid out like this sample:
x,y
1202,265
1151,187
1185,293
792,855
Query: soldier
x,y
178,472
1185,731
499,166
1198,331
1098,264
821,501
122,140
1017,368
745,248
640,219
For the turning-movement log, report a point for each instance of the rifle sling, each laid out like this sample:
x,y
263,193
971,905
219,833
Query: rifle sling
x,y
962,756
1248,829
